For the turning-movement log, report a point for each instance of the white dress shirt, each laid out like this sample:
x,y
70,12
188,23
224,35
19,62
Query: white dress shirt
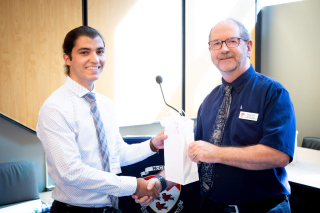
x,y
69,138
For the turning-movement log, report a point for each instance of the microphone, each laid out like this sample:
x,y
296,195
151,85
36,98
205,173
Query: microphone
x,y
159,81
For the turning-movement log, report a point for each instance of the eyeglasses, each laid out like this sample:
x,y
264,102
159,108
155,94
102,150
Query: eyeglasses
x,y
230,42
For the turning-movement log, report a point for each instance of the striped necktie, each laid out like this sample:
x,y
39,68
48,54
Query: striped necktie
x,y
91,99
207,169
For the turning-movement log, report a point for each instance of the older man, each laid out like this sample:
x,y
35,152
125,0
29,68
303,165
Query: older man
x,y
245,132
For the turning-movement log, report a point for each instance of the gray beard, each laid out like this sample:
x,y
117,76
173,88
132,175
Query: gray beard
x,y
233,69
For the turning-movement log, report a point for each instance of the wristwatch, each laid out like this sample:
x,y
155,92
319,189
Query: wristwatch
x,y
163,182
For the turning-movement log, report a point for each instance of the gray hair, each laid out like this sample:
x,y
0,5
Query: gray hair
x,y
244,33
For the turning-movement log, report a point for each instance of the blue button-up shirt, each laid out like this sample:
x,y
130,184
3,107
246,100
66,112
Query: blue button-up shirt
x,y
275,127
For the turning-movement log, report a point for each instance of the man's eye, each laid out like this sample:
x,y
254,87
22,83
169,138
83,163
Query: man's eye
x,y
215,43
100,52
233,40
83,53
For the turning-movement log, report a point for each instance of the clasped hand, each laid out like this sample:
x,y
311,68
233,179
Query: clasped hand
x,y
147,191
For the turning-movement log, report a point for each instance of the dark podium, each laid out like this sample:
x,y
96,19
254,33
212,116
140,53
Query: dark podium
x,y
174,200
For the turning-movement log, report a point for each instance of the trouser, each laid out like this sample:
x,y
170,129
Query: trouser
x,y
59,207
279,204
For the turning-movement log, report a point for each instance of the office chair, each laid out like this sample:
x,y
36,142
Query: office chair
x,y
17,183
311,143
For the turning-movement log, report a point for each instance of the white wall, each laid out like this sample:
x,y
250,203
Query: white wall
x,y
290,54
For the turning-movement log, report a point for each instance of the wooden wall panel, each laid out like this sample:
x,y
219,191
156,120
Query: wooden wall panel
x,y
4,26
6,65
31,53
18,87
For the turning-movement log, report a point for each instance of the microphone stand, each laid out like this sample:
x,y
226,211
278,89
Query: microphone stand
x,y
159,82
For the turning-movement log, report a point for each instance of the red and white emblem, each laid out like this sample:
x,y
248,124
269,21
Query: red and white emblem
x,y
167,199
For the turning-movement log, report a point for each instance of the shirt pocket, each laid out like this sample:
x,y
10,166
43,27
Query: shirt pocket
x,y
246,132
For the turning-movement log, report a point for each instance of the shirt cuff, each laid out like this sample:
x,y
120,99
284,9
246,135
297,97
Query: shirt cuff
x,y
128,185
147,148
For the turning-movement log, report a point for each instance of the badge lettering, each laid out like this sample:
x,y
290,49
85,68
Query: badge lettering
x,y
115,165
248,116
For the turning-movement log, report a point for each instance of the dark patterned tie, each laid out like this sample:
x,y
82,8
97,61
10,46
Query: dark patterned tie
x,y
91,99
207,169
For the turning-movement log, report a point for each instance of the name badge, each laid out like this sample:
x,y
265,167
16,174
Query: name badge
x,y
115,165
248,116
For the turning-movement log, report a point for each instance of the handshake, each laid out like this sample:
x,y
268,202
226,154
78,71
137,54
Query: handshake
x,y
147,191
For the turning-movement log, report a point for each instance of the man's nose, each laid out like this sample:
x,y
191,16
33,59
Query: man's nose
x,y
94,58
224,47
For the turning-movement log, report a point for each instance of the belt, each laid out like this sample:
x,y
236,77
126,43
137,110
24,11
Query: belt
x,y
266,204
78,209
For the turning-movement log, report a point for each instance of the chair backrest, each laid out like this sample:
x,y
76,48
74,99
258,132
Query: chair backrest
x,y
311,143
18,182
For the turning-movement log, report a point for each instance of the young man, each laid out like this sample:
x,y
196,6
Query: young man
x,y
78,129
245,132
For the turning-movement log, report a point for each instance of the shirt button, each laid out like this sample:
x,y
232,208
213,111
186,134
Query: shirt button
x,y
217,175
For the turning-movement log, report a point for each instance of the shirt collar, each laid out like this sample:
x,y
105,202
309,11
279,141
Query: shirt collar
x,y
76,88
241,81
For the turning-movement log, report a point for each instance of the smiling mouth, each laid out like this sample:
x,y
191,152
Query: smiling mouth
x,y
222,59
93,68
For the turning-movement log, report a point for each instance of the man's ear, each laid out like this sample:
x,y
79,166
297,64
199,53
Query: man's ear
x,y
67,59
249,48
